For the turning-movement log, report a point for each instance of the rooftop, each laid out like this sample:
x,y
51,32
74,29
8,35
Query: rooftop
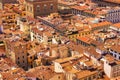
x,y
41,72
117,25
64,60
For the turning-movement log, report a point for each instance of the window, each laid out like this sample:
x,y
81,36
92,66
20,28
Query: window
x,y
23,56
94,76
18,58
111,49
115,51
18,62
51,6
38,8
23,66
27,54
23,61
31,9
58,77
115,55
31,57
45,7
31,66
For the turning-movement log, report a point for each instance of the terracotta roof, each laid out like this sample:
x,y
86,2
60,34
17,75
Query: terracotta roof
x,y
85,39
41,72
79,7
116,48
2,50
68,59
113,1
13,74
92,52
85,73
117,25
101,24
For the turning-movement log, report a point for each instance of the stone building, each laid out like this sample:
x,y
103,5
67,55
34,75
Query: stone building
x,y
17,51
40,7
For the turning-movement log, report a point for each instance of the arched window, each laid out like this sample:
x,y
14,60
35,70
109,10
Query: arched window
x,y
51,6
38,8
45,7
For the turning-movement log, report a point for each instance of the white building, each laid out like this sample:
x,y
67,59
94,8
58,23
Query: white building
x,y
44,34
113,15
116,27
111,67
115,51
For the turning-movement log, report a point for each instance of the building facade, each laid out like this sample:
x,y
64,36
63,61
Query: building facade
x,y
18,53
112,69
40,7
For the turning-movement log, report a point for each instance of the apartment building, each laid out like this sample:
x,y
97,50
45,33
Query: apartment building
x,y
115,51
113,15
104,3
111,67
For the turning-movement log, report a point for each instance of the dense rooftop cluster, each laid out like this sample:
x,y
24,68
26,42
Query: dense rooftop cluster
x,y
59,40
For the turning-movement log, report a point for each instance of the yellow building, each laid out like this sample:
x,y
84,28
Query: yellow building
x,y
24,26
73,37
